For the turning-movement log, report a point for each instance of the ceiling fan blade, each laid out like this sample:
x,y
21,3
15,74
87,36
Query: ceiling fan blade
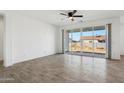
x,y
78,16
74,12
63,14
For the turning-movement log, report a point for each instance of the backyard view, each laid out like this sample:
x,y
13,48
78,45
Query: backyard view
x,y
88,41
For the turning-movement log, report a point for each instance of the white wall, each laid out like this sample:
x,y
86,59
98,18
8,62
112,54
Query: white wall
x,y
28,39
1,38
115,32
59,41
122,35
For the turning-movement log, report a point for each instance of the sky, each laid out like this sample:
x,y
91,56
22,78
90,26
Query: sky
x,y
76,35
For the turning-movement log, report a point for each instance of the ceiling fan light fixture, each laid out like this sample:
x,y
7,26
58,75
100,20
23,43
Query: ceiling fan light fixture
x,y
70,18
71,15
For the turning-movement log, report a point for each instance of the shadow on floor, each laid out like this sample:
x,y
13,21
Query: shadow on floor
x,y
98,55
1,64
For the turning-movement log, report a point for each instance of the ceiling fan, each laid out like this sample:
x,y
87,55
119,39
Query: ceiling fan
x,y
71,15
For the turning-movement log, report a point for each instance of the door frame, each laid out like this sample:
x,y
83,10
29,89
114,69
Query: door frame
x,y
81,41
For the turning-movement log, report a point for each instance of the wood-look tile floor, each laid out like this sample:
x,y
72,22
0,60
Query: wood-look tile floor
x,y
65,69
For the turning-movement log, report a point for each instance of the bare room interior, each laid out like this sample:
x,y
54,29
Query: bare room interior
x,y
62,46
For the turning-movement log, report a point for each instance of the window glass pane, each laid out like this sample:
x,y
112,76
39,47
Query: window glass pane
x,y
100,41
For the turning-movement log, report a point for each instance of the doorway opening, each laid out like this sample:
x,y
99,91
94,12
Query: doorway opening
x,y
88,41
1,41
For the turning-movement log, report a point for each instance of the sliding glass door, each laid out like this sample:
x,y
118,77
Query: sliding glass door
x,y
100,40
74,41
89,40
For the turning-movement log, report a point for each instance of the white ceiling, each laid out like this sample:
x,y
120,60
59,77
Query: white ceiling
x,y
53,16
